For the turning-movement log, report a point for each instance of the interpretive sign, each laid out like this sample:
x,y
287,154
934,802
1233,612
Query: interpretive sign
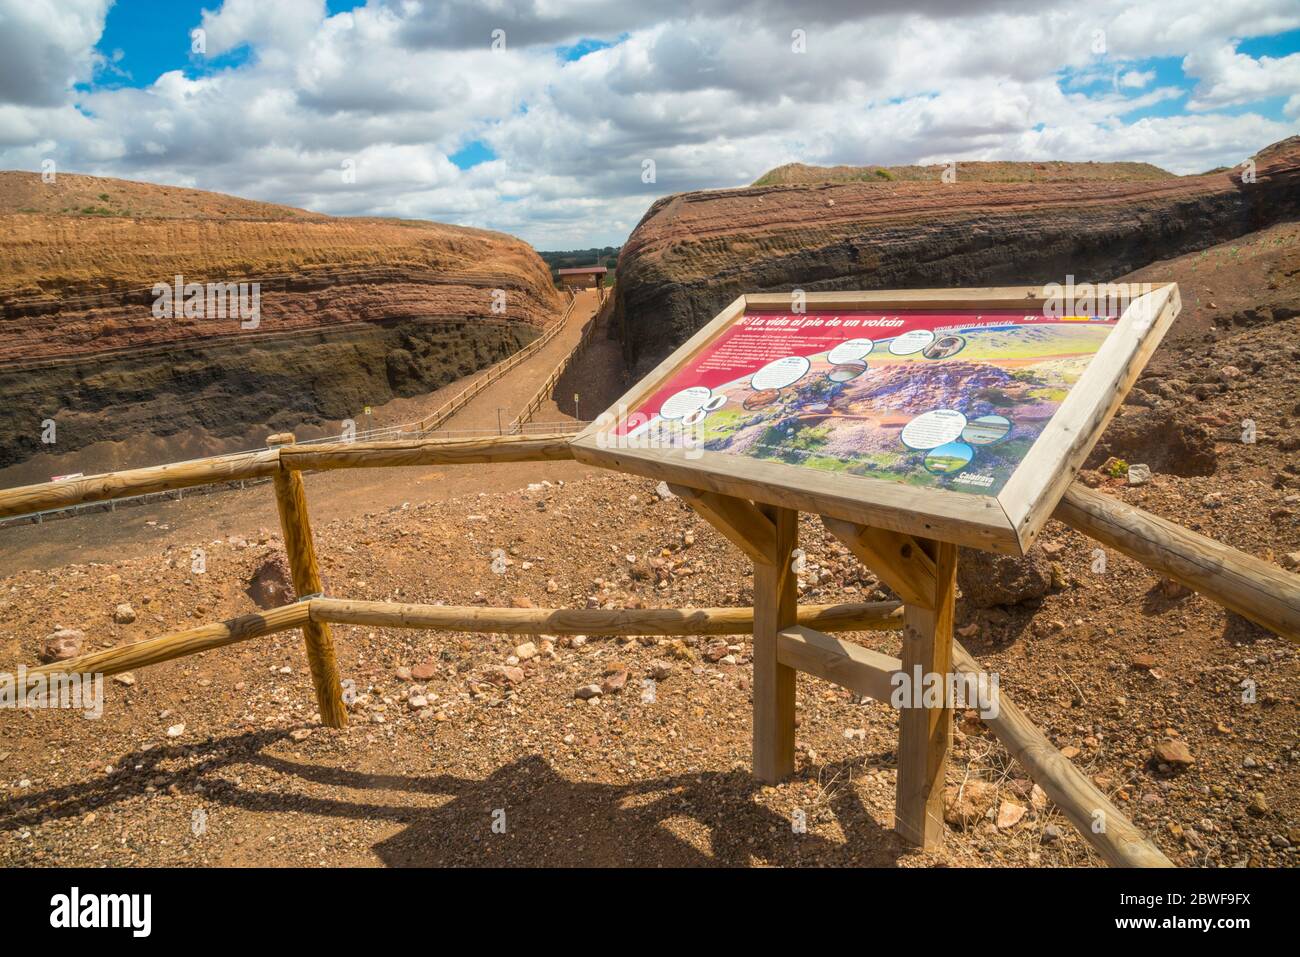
x,y
921,407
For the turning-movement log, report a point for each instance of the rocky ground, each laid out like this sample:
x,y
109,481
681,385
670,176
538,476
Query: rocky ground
x,y
449,729
482,749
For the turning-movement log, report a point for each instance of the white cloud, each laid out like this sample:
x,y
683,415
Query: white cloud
x,y
1229,78
715,96
45,47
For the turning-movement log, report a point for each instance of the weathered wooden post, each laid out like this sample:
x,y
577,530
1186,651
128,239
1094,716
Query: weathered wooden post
x,y
923,573
925,733
775,609
291,500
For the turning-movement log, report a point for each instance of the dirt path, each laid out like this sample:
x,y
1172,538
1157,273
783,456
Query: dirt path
x,y
138,532
497,405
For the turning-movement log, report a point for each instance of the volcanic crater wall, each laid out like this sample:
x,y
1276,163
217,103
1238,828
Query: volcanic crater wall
x,y
693,253
227,389
353,312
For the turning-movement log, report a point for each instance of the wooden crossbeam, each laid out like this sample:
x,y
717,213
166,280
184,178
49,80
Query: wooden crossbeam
x,y
743,524
868,672
862,670
898,559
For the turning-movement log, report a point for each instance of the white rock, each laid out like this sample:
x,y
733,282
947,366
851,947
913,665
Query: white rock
x,y
1139,474
1009,814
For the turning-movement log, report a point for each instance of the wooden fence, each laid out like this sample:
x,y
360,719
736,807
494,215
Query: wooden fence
x,y
492,374
1255,589
548,387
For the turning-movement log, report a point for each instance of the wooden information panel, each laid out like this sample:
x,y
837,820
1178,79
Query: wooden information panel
x,y
956,415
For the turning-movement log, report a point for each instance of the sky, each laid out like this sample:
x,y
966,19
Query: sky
x,y
560,121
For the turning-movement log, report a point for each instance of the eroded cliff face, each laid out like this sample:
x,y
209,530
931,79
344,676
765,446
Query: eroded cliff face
x,y
694,252
231,394
350,312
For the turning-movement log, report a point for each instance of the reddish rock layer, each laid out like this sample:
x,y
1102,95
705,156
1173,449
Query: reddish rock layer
x,y
352,312
694,252
83,254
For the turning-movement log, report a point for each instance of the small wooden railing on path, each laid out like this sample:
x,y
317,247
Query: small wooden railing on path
x,y
494,373
545,390
1251,587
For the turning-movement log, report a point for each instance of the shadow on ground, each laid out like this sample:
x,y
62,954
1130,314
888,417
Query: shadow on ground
x,y
706,819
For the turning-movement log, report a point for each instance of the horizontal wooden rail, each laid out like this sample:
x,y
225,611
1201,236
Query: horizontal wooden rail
x,y
151,651
862,670
1250,586
361,455
871,673
850,616
157,478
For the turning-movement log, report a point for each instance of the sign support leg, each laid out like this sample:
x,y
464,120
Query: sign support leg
x,y
775,608
925,733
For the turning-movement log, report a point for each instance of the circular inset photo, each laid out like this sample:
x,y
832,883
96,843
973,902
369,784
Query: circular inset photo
x,y
714,404
986,429
934,428
846,371
944,346
850,350
910,342
761,399
948,458
685,402
780,373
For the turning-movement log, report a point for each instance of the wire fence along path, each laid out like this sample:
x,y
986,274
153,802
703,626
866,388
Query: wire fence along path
x,y
429,425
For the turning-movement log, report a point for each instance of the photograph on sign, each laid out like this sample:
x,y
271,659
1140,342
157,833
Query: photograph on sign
x,y
947,399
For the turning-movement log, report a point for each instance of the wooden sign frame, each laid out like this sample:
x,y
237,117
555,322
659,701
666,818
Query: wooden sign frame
x,y
1007,522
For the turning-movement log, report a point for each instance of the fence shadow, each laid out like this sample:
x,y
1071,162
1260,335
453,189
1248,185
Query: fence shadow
x,y
706,819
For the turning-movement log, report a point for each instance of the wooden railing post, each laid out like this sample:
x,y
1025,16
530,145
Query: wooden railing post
x,y
291,500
